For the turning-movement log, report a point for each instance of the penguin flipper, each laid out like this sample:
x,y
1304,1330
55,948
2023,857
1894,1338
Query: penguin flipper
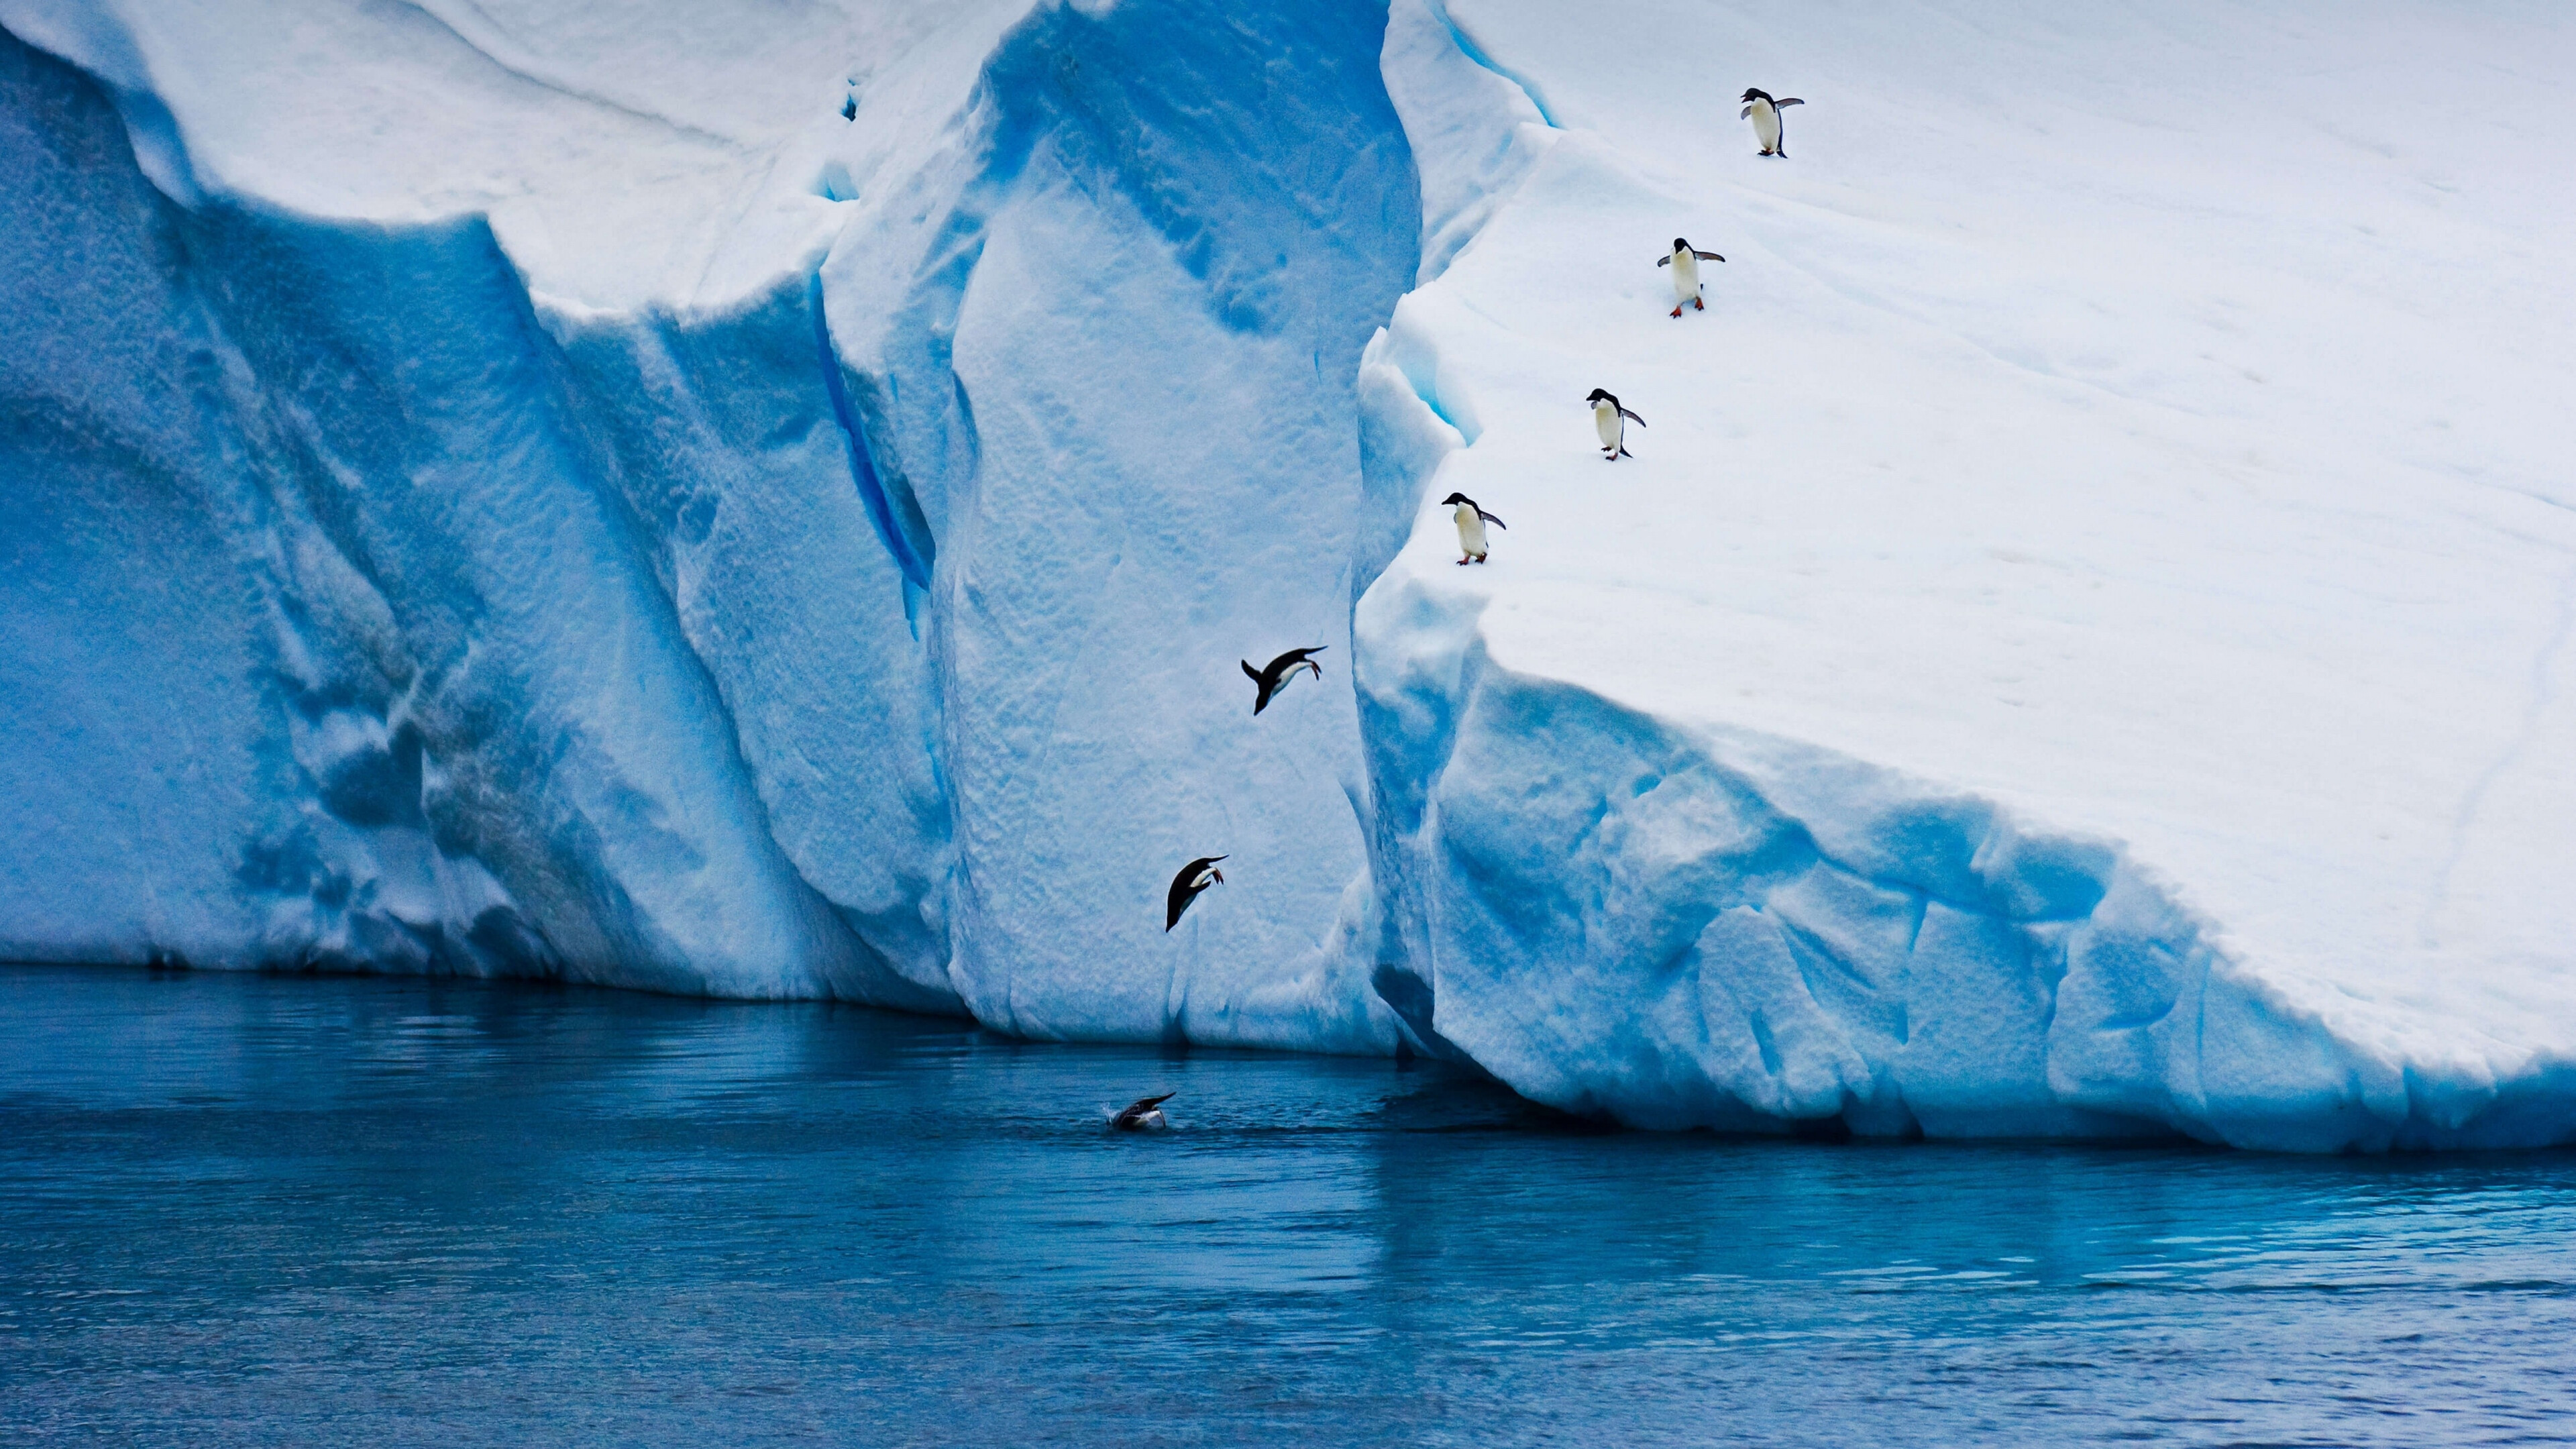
x,y
1792,101
1708,256
1632,417
1489,518
1249,672
1668,261
1746,112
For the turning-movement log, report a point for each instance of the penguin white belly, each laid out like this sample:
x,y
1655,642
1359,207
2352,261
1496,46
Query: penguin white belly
x,y
1766,125
1685,279
1471,533
1605,421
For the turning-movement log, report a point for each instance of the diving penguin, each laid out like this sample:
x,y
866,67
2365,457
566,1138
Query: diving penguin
x,y
1145,1114
1685,262
1471,528
1268,680
1195,877
1766,119
1610,421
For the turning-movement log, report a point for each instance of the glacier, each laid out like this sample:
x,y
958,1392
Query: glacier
x,y
767,503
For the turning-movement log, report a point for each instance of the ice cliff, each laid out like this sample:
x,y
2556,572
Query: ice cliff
x,y
770,504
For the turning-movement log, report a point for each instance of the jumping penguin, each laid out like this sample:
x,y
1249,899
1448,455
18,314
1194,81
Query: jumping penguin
x,y
1145,1114
1471,528
1195,877
1685,262
1766,119
1273,677
1610,421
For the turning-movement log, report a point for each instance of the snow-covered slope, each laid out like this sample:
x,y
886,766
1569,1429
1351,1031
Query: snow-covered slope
x,y
2085,627
767,500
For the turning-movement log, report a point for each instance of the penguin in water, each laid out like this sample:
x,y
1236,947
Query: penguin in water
x,y
1610,421
1273,677
1472,547
1685,262
1766,119
1195,877
1145,1114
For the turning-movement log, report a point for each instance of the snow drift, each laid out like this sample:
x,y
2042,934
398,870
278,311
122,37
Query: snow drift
x,y
771,507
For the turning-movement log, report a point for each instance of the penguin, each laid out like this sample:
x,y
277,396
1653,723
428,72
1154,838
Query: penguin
x,y
1471,528
1145,1114
1685,262
1273,677
1766,119
1195,877
1610,421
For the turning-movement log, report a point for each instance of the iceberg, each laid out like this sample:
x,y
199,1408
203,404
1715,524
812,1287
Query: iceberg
x,y
2078,647
771,506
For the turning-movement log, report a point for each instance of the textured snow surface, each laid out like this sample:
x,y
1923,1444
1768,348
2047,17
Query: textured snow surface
x,y
2080,647
2084,629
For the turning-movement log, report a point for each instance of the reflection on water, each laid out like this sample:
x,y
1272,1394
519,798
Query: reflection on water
x,y
284,1210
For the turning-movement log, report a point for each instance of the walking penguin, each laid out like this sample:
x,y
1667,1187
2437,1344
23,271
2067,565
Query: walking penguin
x,y
1472,547
1766,119
1685,262
1610,421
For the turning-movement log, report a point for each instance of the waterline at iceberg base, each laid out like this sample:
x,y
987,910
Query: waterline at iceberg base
x,y
558,499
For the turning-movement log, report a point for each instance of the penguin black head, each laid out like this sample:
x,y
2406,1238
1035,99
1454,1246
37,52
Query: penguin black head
x,y
1598,395
1680,245
1457,498
1753,95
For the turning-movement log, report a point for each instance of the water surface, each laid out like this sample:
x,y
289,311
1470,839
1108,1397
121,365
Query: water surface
x,y
273,1210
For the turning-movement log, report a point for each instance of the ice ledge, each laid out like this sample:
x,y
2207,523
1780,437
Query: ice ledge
x,y
1846,898
1692,926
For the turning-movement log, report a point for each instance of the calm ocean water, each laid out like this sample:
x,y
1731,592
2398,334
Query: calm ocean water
x,y
286,1211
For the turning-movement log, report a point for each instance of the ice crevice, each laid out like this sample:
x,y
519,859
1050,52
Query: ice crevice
x,y
489,43
616,561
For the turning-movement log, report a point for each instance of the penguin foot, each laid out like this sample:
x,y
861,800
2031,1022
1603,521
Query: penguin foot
x,y
1677,311
1462,563
1696,305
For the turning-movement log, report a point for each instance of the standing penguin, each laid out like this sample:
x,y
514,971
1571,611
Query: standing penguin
x,y
1610,421
1471,528
1685,262
1273,677
1195,877
1766,119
